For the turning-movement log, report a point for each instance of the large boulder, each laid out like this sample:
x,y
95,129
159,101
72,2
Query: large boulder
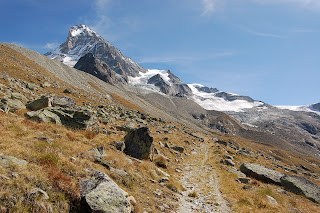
x,y
139,143
302,186
44,115
262,173
74,118
53,101
103,195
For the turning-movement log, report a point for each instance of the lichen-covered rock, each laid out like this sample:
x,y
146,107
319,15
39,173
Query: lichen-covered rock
x,y
11,105
139,143
53,101
74,118
302,186
44,115
262,173
101,194
7,160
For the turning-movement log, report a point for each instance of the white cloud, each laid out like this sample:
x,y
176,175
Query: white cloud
x,y
51,45
209,7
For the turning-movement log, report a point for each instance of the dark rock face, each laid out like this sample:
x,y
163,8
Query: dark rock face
x,y
262,173
316,107
160,83
175,87
207,89
231,97
101,70
139,143
101,194
302,186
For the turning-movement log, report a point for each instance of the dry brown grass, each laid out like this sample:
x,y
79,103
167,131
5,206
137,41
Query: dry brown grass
x,y
126,103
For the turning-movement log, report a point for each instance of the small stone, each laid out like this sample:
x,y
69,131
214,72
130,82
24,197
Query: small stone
x,y
244,180
272,200
164,179
178,148
228,157
120,146
67,91
49,140
45,84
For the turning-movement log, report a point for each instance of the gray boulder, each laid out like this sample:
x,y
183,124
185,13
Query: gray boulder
x,y
44,115
103,195
40,103
262,173
302,186
139,143
53,101
74,118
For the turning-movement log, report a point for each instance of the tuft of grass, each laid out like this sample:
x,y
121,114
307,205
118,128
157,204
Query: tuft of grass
x,y
193,194
49,159
89,134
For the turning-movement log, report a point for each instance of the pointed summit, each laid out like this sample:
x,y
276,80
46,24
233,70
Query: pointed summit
x,y
83,40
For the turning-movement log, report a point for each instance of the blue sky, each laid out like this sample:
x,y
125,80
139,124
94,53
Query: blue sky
x,y
267,49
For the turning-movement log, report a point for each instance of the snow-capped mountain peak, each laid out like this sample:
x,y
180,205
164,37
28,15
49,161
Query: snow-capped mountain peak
x,y
83,40
315,108
81,29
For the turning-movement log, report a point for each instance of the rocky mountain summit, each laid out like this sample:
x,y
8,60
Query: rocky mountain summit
x,y
82,40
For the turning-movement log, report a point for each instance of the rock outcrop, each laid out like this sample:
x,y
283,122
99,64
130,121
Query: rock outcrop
x,y
302,186
52,101
139,143
74,118
103,195
262,173
100,69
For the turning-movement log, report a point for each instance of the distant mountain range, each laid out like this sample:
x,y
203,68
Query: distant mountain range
x,y
85,50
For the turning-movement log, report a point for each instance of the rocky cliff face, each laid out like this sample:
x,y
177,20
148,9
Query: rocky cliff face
x,y
100,69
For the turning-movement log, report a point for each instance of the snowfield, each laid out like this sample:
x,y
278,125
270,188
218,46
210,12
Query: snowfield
x,y
210,102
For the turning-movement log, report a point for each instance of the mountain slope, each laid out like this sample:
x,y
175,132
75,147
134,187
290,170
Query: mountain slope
x,y
296,128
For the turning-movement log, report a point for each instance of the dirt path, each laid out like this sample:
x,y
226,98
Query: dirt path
x,y
201,178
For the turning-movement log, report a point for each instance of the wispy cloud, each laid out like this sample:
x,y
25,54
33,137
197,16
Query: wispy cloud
x,y
50,45
186,58
209,7
261,34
